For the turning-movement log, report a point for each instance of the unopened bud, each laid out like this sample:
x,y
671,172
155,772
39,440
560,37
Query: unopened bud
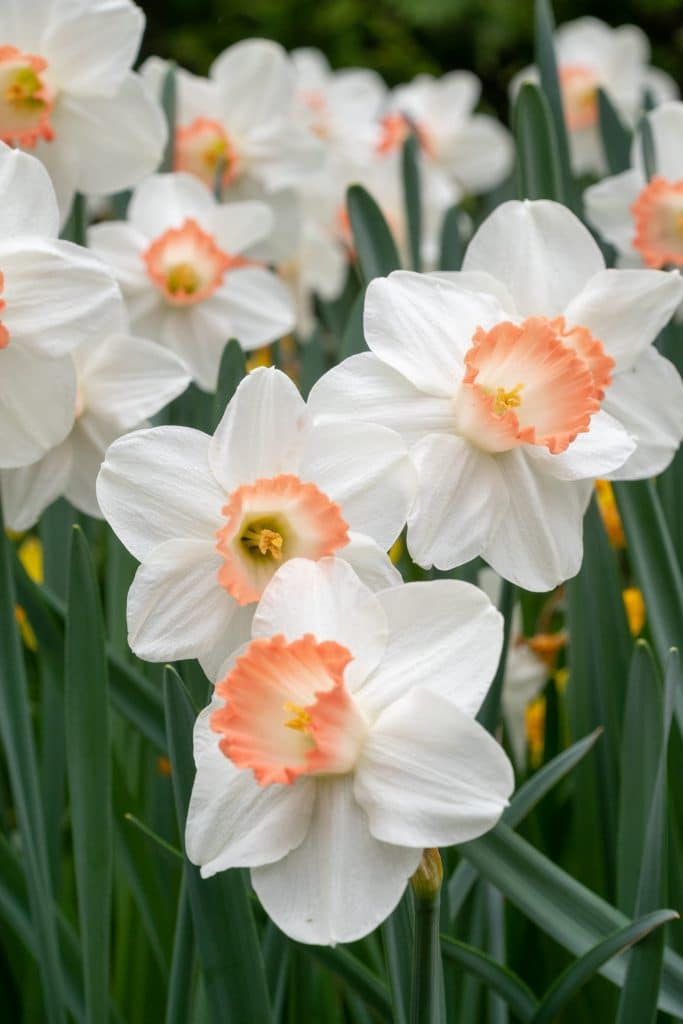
x,y
426,881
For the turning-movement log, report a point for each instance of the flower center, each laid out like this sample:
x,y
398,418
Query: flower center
x,y
269,522
26,100
204,146
579,86
532,383
658,216
395,129
186,265
288,711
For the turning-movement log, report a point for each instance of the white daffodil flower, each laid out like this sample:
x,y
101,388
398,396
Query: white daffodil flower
x,y
121,380
643,219
342,741
52,296
473,151
213,518
179,259
243,118
592,55
517,382
68,94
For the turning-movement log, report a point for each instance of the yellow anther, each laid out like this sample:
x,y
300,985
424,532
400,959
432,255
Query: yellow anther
x,y
182,278
23,87
269,542
215,151
505,400
300,721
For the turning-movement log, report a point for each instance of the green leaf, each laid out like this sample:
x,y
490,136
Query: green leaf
x,y
641,733
495,976
397,936
599,656
544,46
539,174
616,138
169,104
529,794
410,169
312,361
233,369
654,561
361,979
374,244
353,339
230,957
88,761
75,228
19,746
559,905
452,249
179,998
647,147
581,971
638,1002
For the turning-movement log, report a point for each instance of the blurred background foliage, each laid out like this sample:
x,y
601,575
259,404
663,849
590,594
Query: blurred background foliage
x,y
399,38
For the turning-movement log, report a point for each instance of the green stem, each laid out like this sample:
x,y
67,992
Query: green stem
x,y
427,1002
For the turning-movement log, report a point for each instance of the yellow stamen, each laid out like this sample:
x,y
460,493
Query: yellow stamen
x,y
23,88
214,152
182,278
301,720
505,400
269,542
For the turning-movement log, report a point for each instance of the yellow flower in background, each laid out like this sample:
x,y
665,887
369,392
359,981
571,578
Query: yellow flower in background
x,y
260,357
610,514
31,557
27,634
396,550
635,609
535,730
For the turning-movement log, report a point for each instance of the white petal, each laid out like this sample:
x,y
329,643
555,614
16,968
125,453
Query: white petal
x,y
56,292
340,883
540,251
217,660
370,563
430,775
626,309
37,404
29,206
480,281
89,440
481,155
366,389
237,226
366,469
92,47
167,200
256,307
327,599
608,207
262,432
648,400
62,164
176,606
127,379
666,122
20,22
460,500
539,541
124,133
231,820
256,81
156,485
27,492
196,334
444,635
121,245
422,326
599,451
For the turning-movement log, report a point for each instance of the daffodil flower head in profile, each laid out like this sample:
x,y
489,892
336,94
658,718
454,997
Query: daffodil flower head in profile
x,y
52,293
67,92
213,519
517,382
181,261
342,740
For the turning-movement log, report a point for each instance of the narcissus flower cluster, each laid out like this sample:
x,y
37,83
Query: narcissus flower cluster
x,y
341,738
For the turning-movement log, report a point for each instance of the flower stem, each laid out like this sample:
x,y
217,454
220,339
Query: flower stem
x,y
427,1004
